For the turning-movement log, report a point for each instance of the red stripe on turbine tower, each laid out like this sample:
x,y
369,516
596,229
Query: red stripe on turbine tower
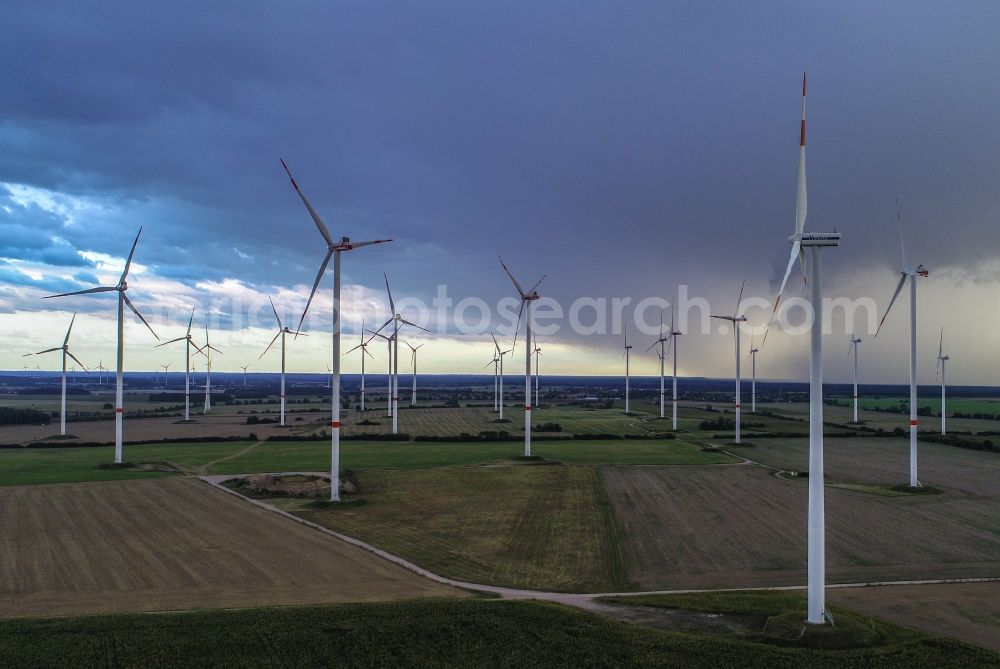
x,y
913,422
335,423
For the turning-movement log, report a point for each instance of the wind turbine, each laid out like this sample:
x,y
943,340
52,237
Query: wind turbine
x,y
166,368
206,351
662,355
65,352
753,376
495,362
121,287
333,249
101,368
397,321
282,331
674,334
526,299
413,365
814,242
388,344
188,343
364,351
499,356
941,360
736,319
855,346
244,368
625,356
911,273
538,352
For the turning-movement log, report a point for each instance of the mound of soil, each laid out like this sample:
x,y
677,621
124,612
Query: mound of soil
x,y
292,485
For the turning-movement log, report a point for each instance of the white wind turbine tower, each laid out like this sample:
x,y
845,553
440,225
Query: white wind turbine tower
x,y
334,249
206,351
855,347
538,352
413,366
500,354
244,368
101,368
911,273
121,287
625,356
65,352
188,343
364,351
662,355
166,368
736,319
753,376
815,242
282,331
526,299
397,321
941,360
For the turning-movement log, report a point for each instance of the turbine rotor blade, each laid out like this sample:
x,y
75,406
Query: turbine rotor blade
x,y
128,263
899,221
520,289
170,342
270,345
102,289
136,312
534,288
739,299
358,245
899,287
77,361
392,305
796,250
403,320
276,316
190,322
319,277
68,330
312,212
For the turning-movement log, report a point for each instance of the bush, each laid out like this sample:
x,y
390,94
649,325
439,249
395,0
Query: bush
x,y
547,427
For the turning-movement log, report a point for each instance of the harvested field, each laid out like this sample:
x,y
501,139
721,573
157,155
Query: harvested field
x,y
534,526
174,544
887,460
739,526
966,611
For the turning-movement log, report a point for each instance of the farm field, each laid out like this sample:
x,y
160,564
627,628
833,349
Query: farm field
x,y
740,526
966,611
174,544
23,466
886,461
426,633
526,526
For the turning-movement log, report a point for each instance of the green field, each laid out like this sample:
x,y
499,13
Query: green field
x,y
424,633
961,405
24,466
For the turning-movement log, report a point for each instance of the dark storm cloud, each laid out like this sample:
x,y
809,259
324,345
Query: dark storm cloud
x,y
624,148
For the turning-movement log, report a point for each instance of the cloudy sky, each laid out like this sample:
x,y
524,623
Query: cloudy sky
x,y
624,149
